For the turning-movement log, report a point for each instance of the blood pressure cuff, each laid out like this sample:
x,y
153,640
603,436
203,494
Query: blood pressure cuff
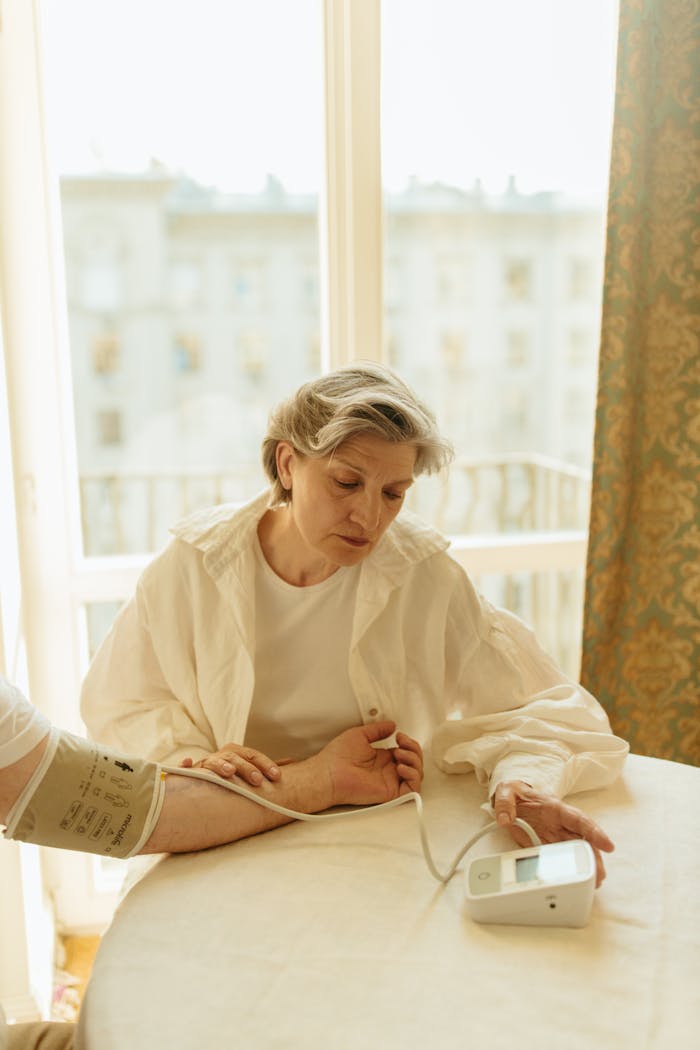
x,y
85,797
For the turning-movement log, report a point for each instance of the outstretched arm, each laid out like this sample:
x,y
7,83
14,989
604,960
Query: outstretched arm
x,y
197,814
348,771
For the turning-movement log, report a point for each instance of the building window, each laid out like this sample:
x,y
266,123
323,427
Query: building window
x,y
580,278
185,284
187,353
577,405
453,350
515,413
518,279
517,349
109,427
451,280
102,285
252,354
105,354
248,285
581,348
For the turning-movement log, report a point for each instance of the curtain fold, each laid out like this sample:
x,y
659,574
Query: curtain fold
x,y
641,644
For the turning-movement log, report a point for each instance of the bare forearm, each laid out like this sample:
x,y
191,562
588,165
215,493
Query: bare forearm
x,y
197,814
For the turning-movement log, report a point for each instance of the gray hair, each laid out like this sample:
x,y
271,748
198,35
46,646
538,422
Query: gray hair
x,y
363,398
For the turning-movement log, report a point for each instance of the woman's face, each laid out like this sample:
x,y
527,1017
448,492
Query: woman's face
x,y
342,504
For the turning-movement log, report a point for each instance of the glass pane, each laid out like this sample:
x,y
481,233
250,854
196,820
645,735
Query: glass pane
x,y
187,139
551,603
98,618
496,121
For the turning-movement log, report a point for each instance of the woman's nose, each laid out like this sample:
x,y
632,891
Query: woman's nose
x,y
366,510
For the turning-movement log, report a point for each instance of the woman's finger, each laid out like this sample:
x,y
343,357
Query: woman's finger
x,y
411,776
246,762
216,764
412,746
409,758
267,767
581,826
505,805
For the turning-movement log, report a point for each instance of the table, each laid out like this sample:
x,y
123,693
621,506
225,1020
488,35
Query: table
x,y
336,935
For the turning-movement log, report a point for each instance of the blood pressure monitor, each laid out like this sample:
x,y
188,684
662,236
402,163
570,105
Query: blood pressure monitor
x,y
549,885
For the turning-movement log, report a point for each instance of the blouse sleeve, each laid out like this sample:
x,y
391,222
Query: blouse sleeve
x,y
514,715
140,692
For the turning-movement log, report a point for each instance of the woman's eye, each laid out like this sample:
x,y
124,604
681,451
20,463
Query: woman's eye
x,y
346,484
394,495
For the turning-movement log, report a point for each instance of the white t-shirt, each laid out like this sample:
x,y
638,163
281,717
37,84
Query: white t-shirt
x,y
22,727
303,697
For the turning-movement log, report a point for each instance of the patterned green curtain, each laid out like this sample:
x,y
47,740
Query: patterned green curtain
x,y
641,646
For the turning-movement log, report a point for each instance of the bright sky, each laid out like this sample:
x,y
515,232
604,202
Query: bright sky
x,y
229,90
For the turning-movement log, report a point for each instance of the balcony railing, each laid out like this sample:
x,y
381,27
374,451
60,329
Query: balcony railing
x,y
517,523
505,494
126,513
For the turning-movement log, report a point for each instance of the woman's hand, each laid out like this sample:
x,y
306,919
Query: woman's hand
x,y
552,819
363,775
233,760
408,757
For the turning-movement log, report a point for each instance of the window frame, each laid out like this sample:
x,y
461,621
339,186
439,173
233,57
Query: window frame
x,y
55,575
57,580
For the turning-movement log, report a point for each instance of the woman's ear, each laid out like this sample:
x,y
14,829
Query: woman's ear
x,y
284,458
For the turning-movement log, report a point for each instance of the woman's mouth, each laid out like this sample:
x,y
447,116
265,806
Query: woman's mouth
x,y
352,542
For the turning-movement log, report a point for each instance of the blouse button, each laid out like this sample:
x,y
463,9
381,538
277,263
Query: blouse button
x,y
373,712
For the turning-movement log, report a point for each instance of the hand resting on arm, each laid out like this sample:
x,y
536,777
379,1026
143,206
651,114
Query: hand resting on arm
x,y
235,761
348,771
197,814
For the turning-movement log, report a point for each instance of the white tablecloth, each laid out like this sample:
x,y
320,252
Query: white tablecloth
x,y
336,935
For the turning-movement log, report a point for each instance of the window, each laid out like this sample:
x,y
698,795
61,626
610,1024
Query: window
x,y
248,285
185,284
101,285
581,279
517,279
200,290
251,353
507,192
582,349
484,209
109,427
105,355
453,350
194,194
187,353
495,165
517,349
514,412
452,280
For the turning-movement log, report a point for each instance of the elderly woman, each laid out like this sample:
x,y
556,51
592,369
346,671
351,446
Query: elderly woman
x,y
267,630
